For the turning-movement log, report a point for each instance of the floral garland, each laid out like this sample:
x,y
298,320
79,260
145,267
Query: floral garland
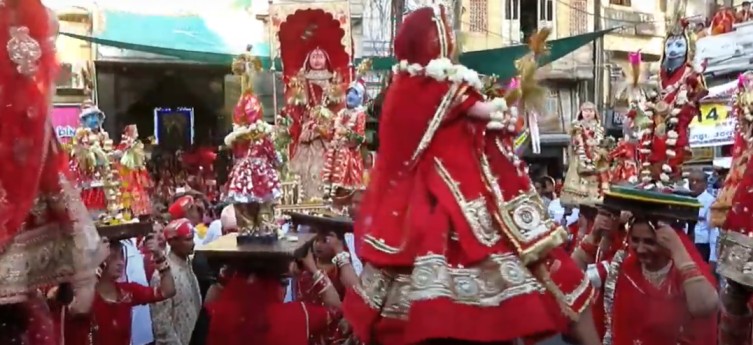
x,y
442,69
681,88
256,130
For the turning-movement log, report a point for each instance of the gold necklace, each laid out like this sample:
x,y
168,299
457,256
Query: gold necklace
x,y
656,278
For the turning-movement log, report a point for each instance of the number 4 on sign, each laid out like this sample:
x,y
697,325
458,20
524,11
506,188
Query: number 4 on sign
x,y
713,115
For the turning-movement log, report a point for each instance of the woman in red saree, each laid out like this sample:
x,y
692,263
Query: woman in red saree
x,y
109,322
46,235
250,309
659,291
432,242
306,290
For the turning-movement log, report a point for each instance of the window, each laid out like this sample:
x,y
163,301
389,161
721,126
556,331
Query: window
x,y
546,10
620,2
478,15
579,17
512,9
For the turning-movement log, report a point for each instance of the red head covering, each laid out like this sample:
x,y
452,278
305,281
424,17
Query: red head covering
x,y
425,35
179,209
27,73
662,307
178,228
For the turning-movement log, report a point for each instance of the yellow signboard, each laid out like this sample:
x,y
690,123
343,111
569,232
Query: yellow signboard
x,y
713,126
712,114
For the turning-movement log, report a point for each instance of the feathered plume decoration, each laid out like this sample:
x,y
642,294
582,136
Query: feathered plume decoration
x,y
245,66
363,68
532,94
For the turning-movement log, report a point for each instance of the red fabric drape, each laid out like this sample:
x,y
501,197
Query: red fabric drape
x,y
252,312
25,123
658,315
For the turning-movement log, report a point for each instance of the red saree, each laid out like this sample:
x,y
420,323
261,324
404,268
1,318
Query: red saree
x,y
110,321
649,315
306,292
252,312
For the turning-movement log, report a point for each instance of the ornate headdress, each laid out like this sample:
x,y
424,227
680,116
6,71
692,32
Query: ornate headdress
x,y
89,108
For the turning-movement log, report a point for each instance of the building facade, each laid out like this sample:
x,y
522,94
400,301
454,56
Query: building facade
x,y
567,78
637,25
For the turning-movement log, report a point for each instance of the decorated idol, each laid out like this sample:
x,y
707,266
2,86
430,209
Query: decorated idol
x,y
587,174
429,224
654,286
90,159
318,95
47,237
254,182
134,177
664,143
731,213
343,163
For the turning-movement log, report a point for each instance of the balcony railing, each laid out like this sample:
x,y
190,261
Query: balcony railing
x,y
631,22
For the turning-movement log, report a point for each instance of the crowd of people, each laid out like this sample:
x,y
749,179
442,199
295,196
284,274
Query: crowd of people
x,y
451,242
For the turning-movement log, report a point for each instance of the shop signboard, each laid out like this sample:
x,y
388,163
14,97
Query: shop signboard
x,y
713,126
65,121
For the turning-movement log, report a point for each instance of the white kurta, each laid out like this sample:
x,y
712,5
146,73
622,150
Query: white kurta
x,y
141,320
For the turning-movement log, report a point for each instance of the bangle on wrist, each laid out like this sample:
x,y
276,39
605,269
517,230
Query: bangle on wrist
x,y
341,259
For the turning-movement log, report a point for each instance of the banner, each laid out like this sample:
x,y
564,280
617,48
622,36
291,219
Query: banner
x,y
714,126
65,121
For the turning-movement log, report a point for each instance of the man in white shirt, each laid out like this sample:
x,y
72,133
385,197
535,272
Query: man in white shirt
x,y
141,319
561,214
703,233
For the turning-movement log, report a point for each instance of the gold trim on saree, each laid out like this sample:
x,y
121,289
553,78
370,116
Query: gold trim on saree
x,y
380,245
487,284
448,101
48,251
524,220
736,257
475,211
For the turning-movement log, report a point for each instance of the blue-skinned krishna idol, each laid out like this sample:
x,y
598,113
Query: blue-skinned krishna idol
x,y
90,162
343,162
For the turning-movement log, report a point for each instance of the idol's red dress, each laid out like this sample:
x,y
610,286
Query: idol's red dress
x,y
109,322
254,313
343,161
308,293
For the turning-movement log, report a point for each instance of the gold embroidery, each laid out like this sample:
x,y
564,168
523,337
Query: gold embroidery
x,y
436,121
488,284
50,253
736,257
523,220
475,211
379,245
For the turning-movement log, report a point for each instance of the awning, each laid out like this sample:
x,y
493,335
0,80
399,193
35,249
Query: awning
x,y
189,38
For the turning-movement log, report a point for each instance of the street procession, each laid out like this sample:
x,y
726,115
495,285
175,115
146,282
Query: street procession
x,y
186,186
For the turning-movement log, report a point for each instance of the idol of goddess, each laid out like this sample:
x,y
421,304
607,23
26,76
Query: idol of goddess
x,y
134,178
731,213
432,243
587,175
254,182
343,162
319,91
47,236
624,166
662,145
90,159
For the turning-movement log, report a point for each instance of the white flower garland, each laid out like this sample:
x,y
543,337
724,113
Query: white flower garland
x,y
258,127
442,69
